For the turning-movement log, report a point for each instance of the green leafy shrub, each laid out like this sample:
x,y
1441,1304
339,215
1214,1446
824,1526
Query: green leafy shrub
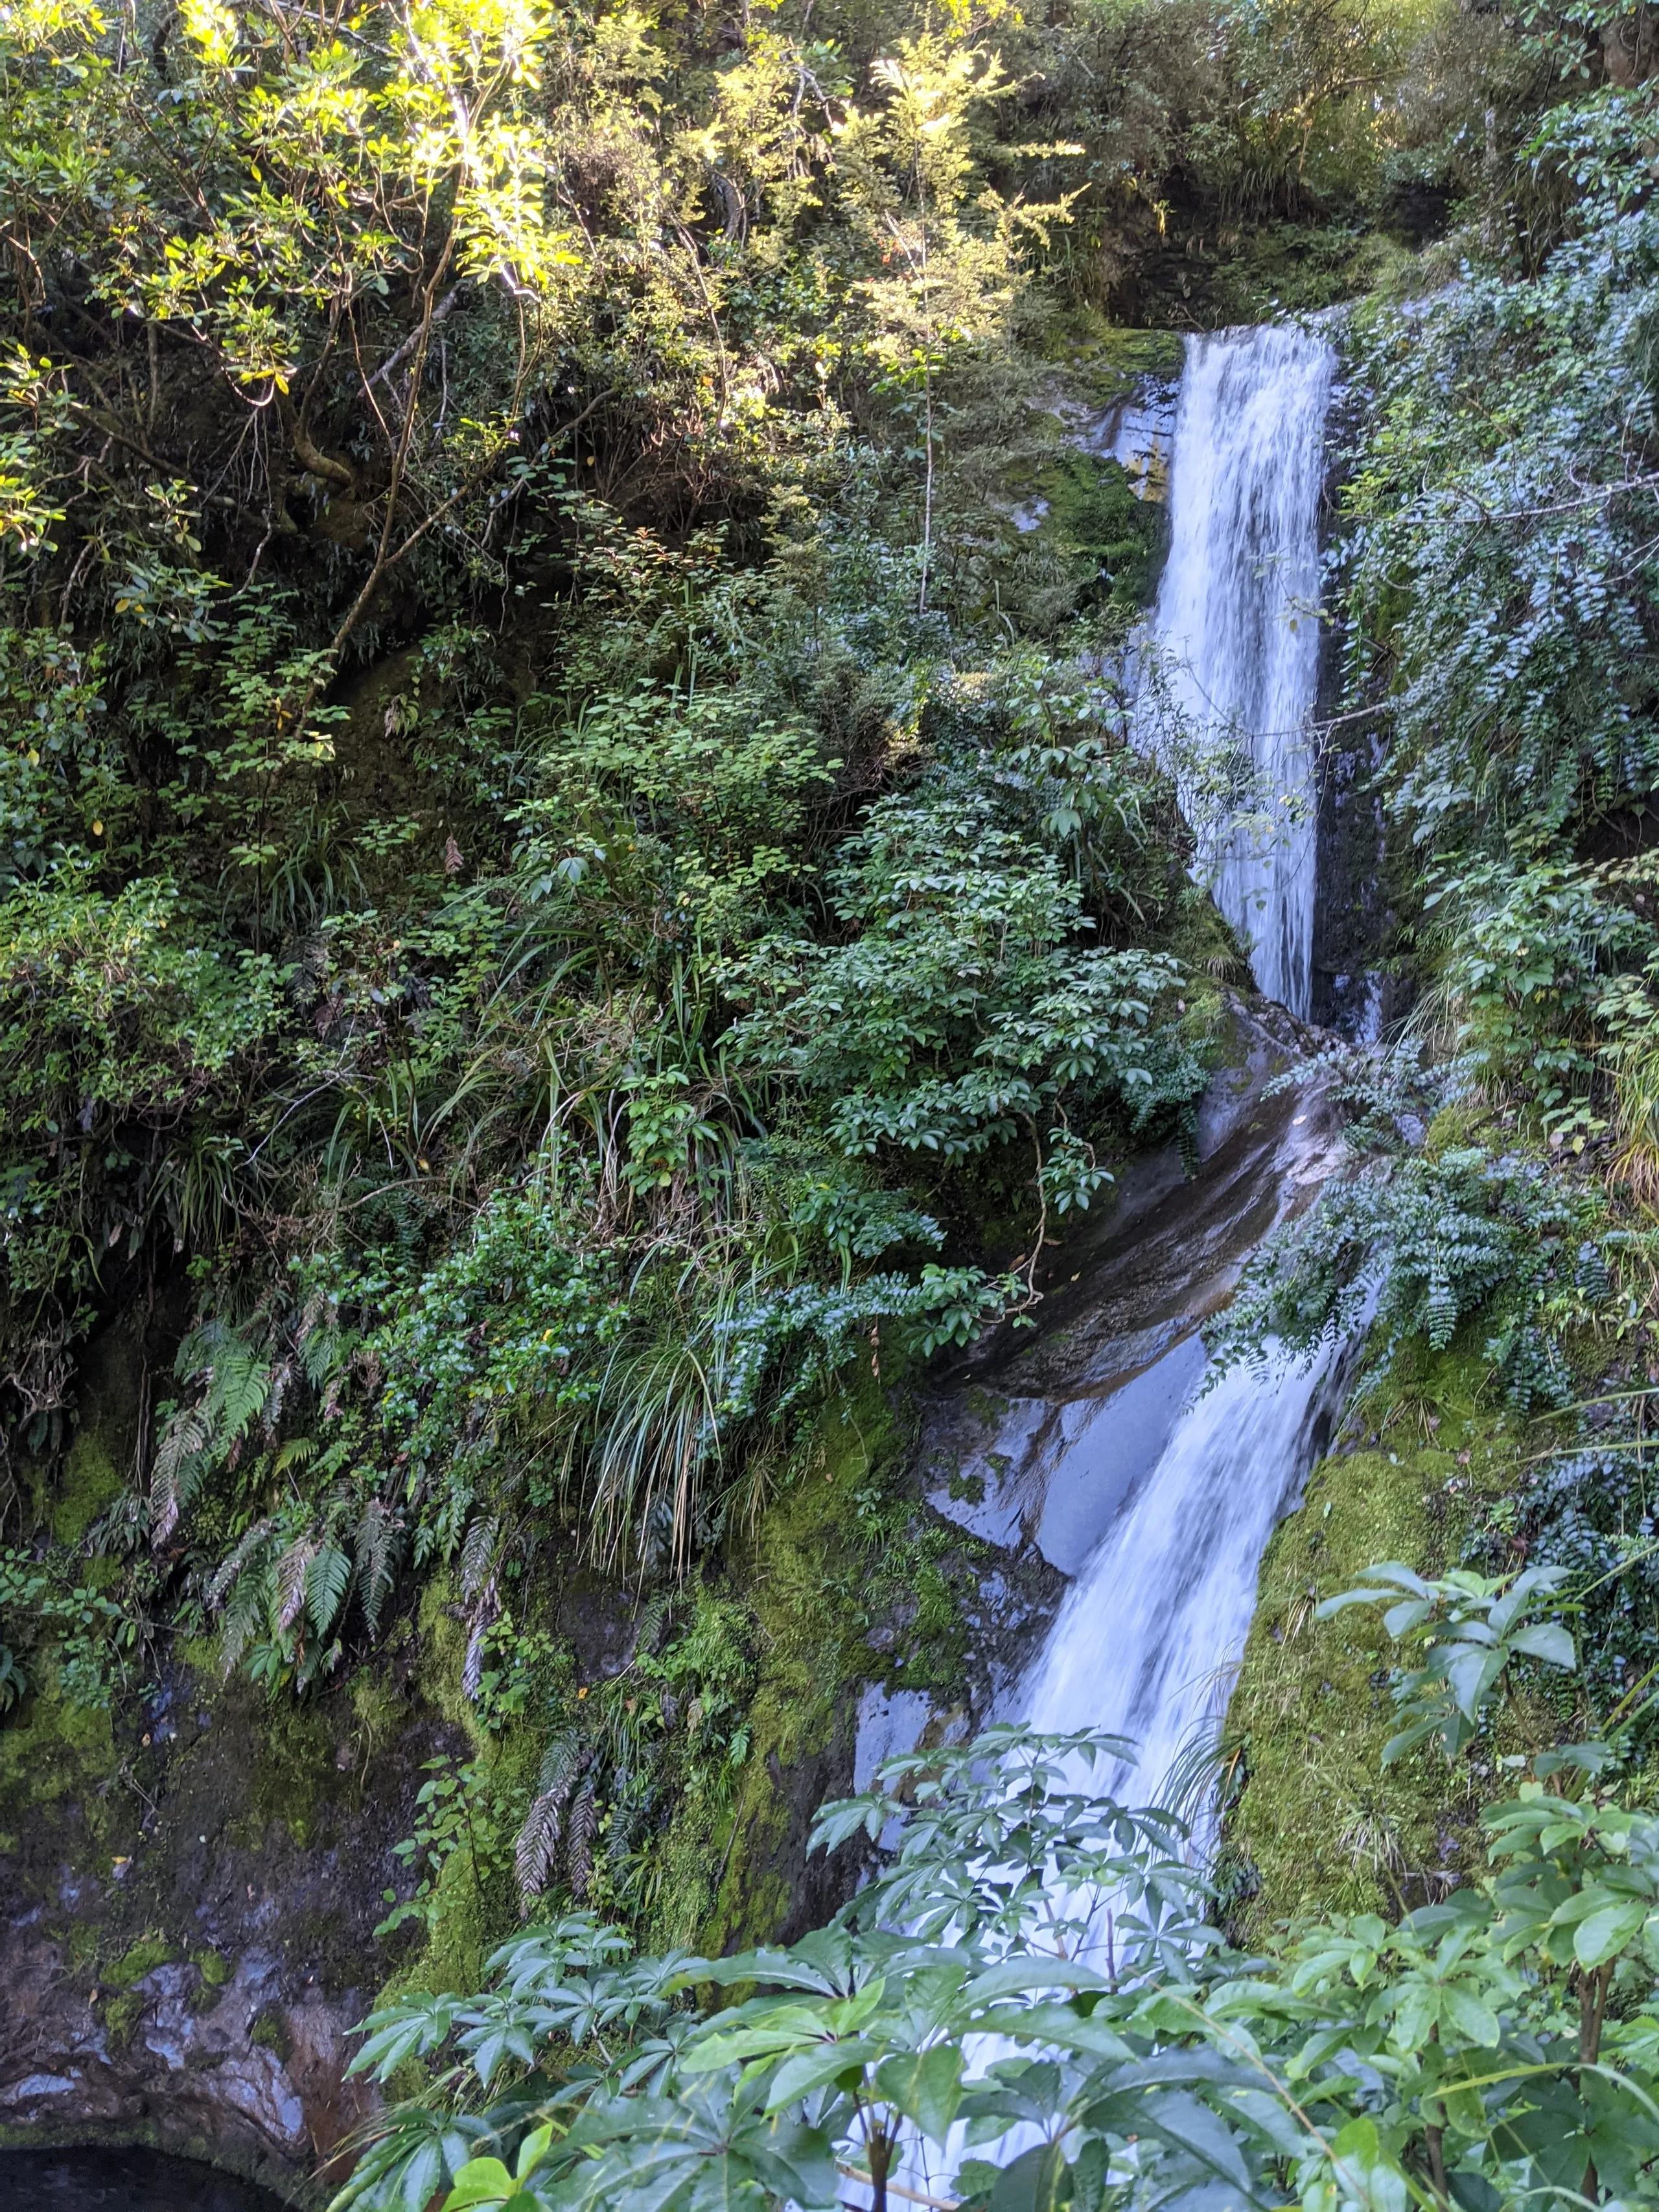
x,y
1465,2054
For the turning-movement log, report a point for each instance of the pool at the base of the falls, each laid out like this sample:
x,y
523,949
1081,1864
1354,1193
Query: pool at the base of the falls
x,y
88,2179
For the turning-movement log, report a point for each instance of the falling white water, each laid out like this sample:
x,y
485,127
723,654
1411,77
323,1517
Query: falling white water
x,y
1150,1634
1234,631
1147,1641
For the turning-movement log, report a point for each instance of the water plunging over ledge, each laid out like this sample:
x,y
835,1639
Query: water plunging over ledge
x,y
1148,1637
1234,633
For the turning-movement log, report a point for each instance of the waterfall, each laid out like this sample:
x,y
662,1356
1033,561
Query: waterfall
x,y
1148,1636
1230,680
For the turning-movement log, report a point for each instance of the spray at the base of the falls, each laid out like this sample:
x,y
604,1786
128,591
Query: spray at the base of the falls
x,y
1232,662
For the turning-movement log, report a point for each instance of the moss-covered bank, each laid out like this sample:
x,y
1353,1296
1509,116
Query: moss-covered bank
x,y
1317,1823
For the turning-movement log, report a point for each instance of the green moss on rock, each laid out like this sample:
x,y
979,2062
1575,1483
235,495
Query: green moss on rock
x,y
93,1472
813,1655
1320,1826
139,1959
1109,360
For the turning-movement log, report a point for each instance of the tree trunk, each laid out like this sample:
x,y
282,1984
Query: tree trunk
x,y
880,2147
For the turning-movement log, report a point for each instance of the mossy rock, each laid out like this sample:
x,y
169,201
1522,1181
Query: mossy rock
x,y
69,1497
1321,1825
761,1884
1110,360
59,1756
140,1959
1117,539
269,2032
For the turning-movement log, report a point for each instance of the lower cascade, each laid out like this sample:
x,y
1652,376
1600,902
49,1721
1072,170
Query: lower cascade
x,y
1147,1638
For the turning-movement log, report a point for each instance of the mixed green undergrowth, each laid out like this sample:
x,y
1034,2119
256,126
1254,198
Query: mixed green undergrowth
x,y
1031,1975
570,875
572,872
1494,1234
575,904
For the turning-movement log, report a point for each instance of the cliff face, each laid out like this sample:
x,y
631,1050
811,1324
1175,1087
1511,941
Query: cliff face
x,y
190,1884
191,1877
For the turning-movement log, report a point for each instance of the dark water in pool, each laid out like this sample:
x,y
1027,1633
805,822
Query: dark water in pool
x,y
121,2181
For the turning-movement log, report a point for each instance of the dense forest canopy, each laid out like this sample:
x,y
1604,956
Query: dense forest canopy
x,y
574,884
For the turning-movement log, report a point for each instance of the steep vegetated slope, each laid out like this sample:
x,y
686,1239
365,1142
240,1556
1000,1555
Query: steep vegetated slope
x,y
575,897
1499,633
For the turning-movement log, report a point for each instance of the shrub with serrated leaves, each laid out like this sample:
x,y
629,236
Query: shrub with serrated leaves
x,y
1433,1243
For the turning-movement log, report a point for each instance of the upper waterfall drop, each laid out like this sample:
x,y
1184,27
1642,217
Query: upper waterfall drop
x,y
1234,662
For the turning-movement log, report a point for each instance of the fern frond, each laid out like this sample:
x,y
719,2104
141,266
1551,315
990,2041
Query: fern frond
x,y
536,1847
562,1762
327,1585
178,1470
247,1613
320,1341
376,1545
271,1413
239,1384
478,1554
655,1620
584,1827
291,1571
231,1570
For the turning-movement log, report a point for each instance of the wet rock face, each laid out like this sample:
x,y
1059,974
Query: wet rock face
x,y
1035,1442
187,1905
257,2077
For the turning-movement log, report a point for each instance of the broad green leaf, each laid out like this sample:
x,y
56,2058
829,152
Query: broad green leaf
x,y
1368,2171
1549,1641
480,2181
1608,1931
1473,2018
925,2086
806,2070
1034,2182
1182,2119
